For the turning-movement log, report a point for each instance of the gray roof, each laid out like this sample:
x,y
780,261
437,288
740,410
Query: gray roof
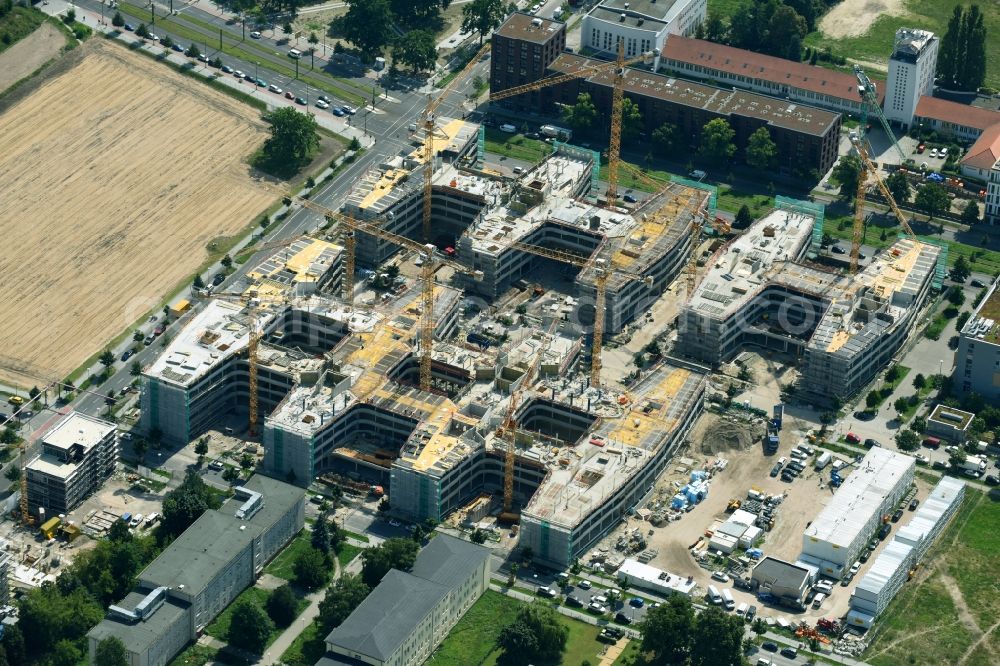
x,y
140,636
279,497
449,561
773,569
388,615
331,659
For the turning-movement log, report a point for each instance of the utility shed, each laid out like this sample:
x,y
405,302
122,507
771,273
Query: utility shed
x,y
835,538
787,581
648,577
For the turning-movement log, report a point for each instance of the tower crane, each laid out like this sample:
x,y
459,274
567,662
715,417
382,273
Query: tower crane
x,y
427,123
617,97
603,271
431,263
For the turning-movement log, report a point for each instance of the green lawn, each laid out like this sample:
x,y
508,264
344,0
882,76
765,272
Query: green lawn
x,y
195,655
306,649
357,537
876,44
347,553
471,641
18,24
731,200
281,566
923,624
219,628
629,654
515,146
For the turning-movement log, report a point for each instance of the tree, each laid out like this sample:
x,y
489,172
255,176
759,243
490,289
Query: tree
x,y
69,18
717,639
107,359
142,31
249,627
8,436
341,599
110,651
900,405
631,119
948,51
907,440
417,49
13,473
48,615
932,199
293,136
970,213
919,424
282,606
394,553
13,645
192,51
919,381
580,116
230,475
784,31
321,536
872,400
482,16
961,270
198,283
847,172
717,140
119,532
139,447
478,536
227,262
956,296
899,187
368,24
759,627
311,569
761,150
743,218
138,336
665,137
974,65
667,630
535,636
183,505
118,20
716,29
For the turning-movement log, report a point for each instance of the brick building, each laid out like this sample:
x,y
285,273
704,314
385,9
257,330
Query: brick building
x,y
522,49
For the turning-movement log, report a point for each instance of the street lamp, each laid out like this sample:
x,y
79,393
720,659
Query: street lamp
x,y
255,77
941,366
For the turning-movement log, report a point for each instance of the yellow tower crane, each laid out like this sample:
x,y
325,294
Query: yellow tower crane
x,y
869,168
617,97
603,271
427,123
431,263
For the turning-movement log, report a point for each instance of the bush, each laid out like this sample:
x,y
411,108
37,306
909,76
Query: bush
x,y
69,18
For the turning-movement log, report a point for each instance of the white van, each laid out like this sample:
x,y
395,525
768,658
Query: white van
x,y
713,595
727,599
294,53
136,520
741,610
818,600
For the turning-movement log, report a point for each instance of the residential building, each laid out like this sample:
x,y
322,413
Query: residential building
x,y
873,489
963,122
983,154
760,292
977,359
407,615
895,563
77,456
799,82
7,565
912,66
641,25
202,571
807,137
521,50
789,584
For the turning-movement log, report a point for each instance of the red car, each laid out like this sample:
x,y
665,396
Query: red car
x,y
852,438
289,95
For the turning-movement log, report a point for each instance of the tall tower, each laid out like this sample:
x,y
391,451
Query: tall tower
x,y
911,73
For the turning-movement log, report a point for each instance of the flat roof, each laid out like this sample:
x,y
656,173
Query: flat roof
x,y
740,62
860,495
984,324
305,261
657,578
48,464
958,419
632,19
529,28
724,102
77,428
139,637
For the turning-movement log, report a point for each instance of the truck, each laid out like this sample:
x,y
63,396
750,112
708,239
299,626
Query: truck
x,y
556,132
777,416
974,463
771,443
823,460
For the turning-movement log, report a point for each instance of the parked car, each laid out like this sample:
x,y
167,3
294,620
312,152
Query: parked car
x,y
127,355
769,646
883,531
865,554
992,480
852,438
871,443
218,278
129,27
226,69
720,576
301,100
921,459
636,601
751,614
913,504
941,465
585,585
789,652
873,544
776,470
337,111
275,89
289,95
836,249
320,104
628,198
240,75
855,568
149,339
178,48
255,34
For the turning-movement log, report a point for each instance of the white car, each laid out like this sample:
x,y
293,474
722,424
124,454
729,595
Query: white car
x,y
275,89
855,568
921,458
321,104
934,152
394,522
720,576
240,75
585,585
154,37
255,34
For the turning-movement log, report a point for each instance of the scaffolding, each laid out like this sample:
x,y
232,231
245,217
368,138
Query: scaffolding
x,y
713,191
810,209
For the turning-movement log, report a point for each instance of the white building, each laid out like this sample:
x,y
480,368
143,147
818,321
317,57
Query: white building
x,y
875,486
892,567
911,73
643,25
637,574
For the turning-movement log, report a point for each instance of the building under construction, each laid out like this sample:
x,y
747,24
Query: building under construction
x,y
339,388
760,291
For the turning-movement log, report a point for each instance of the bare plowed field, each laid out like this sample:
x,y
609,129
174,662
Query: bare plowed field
x,y
115,174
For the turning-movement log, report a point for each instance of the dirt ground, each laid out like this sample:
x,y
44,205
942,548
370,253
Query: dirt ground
x,y
715,437
146,168
851,18
29,54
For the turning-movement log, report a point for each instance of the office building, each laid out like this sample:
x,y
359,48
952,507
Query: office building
x,y
520,52
977,359
203,571
873,489
789,584
641,25
408,614
760,292
78,455
912,66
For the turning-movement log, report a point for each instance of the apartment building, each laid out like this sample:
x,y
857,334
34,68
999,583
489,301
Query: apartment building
x,y
77,456
520,52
